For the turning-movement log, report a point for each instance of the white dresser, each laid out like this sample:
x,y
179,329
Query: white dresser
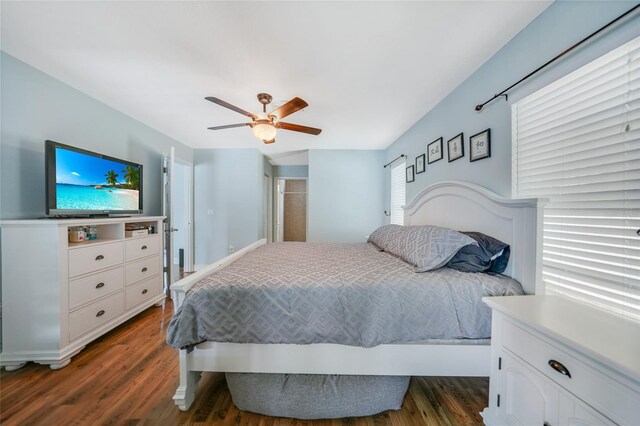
x,y
560,362
58,296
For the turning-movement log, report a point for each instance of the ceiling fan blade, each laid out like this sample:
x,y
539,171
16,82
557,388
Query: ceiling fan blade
x,y
295,104
231,107
298,128
228,126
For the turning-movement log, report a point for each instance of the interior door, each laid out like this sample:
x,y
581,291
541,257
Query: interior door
x,y
168,162
265,219
280,210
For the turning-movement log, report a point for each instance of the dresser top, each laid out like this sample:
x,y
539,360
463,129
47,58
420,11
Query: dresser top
x,y
608,338
78,221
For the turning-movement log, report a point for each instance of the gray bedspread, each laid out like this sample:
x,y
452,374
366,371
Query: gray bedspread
x,y
349,294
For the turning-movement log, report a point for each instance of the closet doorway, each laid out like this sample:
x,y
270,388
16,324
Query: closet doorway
x,y
291,209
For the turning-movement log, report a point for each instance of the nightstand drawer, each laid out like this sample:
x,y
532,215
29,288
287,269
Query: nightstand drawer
x,y
606,395
137,248
143,291
93,316
84,260
142,269
92,287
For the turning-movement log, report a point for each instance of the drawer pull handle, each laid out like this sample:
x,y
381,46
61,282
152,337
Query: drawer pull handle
x,y
143,248
99,257
144,291
100,313
144,269
99,285
559,367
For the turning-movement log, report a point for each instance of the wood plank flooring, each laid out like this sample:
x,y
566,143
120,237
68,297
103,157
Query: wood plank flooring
x,y
117,381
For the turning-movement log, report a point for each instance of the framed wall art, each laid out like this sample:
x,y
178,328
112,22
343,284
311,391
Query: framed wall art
x,y
434,151
480,145
455,147
410,174
420,164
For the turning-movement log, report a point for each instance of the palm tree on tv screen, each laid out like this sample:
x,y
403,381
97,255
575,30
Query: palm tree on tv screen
x,y
132,177
112,177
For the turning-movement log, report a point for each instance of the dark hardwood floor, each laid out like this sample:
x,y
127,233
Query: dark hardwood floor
x,y
128,377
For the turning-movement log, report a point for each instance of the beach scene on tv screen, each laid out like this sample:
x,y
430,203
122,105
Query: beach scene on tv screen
x,y
85,182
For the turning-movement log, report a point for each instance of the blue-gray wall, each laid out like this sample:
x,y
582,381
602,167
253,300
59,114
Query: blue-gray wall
x,y
345,193
36,107
290,171
561,25
228,201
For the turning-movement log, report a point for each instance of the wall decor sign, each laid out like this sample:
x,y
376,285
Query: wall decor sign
x,y
455,147
420,164
434,151
410,174
480,145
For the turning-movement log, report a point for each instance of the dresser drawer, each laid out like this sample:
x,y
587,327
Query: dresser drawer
x,y
142,269
84,260
145,290
88,318
95,286
137,248
603,393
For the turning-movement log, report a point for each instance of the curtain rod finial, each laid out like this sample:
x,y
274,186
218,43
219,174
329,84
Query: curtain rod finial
x,y
478,107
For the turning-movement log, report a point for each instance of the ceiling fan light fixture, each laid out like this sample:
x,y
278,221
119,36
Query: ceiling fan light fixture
x,y
265,126
263,129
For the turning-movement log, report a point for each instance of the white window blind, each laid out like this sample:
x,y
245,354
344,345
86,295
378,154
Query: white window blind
x,y
577,143
397,193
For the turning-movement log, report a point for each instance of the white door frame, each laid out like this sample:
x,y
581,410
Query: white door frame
x,y
189,247
266,232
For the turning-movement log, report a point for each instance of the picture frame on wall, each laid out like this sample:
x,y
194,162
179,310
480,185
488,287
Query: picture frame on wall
x,y
410,174
480,145
455,147
434,151
420,164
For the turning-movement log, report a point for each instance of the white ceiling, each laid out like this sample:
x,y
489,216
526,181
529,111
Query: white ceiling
x,y
369,70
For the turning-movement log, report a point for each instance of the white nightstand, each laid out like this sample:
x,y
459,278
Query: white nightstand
x,y
560,362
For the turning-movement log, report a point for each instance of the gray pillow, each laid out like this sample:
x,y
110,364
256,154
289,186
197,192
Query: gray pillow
x,y
431,247
489,254
386,237
426,247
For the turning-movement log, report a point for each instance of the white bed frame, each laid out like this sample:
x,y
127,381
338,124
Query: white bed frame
x,y
454,205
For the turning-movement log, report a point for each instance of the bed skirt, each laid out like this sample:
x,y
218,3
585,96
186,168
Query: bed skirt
x,y
316,396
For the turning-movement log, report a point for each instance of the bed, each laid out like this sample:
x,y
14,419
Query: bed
x,y
453,205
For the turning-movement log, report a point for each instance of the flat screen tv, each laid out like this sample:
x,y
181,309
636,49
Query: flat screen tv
x,y
85,183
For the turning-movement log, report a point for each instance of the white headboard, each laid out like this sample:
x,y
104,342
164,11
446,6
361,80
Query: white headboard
x,y
468,207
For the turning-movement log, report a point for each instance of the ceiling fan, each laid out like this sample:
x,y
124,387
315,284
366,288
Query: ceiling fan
x,y
265,125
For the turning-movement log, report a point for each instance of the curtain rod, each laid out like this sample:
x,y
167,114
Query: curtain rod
x,y
394,160
503,93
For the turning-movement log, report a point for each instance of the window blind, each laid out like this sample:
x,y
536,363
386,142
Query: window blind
x,y
398,187
577,143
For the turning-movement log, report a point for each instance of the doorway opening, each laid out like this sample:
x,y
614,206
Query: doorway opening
x,y
181,200
291,209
